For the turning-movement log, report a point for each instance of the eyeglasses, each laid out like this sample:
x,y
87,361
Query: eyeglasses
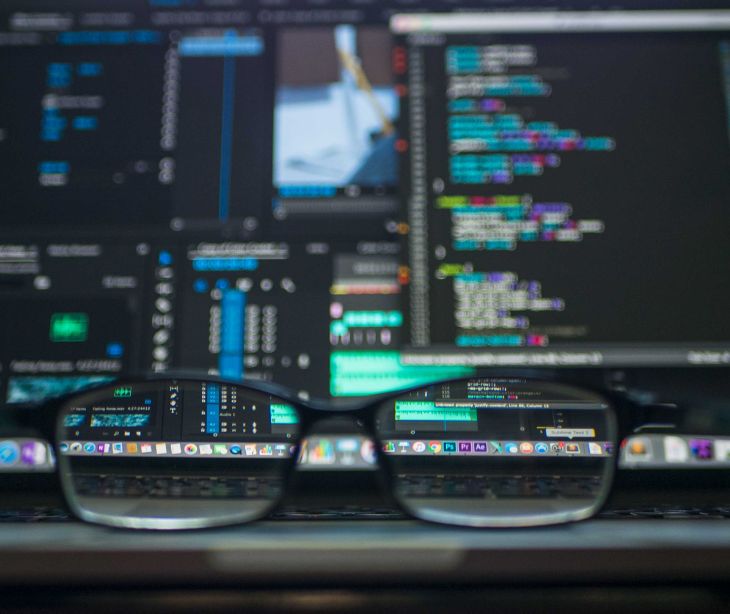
x,y
185,453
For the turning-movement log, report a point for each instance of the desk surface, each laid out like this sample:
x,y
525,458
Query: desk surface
x,y
365,552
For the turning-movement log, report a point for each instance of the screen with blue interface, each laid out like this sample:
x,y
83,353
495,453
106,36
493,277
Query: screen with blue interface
x,y
349,197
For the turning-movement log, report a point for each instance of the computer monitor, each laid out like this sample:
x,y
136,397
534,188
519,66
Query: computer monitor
x,y
566,186
351,197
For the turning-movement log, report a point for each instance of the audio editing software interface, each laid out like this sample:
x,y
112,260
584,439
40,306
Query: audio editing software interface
x,y
351,197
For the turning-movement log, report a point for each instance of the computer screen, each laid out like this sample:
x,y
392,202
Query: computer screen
x,y
567,175
351,197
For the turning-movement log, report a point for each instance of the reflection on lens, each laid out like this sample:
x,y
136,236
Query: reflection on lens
x,y
499,451
175,454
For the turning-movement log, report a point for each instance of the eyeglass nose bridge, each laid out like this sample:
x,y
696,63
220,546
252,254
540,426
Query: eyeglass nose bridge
x,y
325,440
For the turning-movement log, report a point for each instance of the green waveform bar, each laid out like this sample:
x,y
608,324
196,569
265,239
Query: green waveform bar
x,y
375,319
422,411
69,327
283,413
123,393
360,373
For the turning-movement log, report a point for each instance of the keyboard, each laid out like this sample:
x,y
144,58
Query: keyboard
x,y
433,486
429,486
178,487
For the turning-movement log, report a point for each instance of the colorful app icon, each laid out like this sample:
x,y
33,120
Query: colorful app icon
x,y
235,449
702,449
220,449
205,449
480,446
63,447
526,447
190,449
419,447
435,447
389,447
145,448
722,450
465,446
572,448
404,446
281,449
497,446
118,447
161,449
638,447
541,447
449,446
511,447
75,446
367,452
9,452
322,452
675,449
131,448
89,447
349,444
100,447
266,450
175,448
33,453
595,449
250,449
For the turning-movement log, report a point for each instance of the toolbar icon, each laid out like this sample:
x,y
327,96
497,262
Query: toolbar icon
x,y
594,448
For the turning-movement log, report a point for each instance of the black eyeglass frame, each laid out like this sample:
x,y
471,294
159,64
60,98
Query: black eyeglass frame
x,y
44,420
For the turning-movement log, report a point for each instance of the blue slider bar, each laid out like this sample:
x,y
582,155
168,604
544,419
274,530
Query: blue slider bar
x,y
229,45
233,320
212,409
